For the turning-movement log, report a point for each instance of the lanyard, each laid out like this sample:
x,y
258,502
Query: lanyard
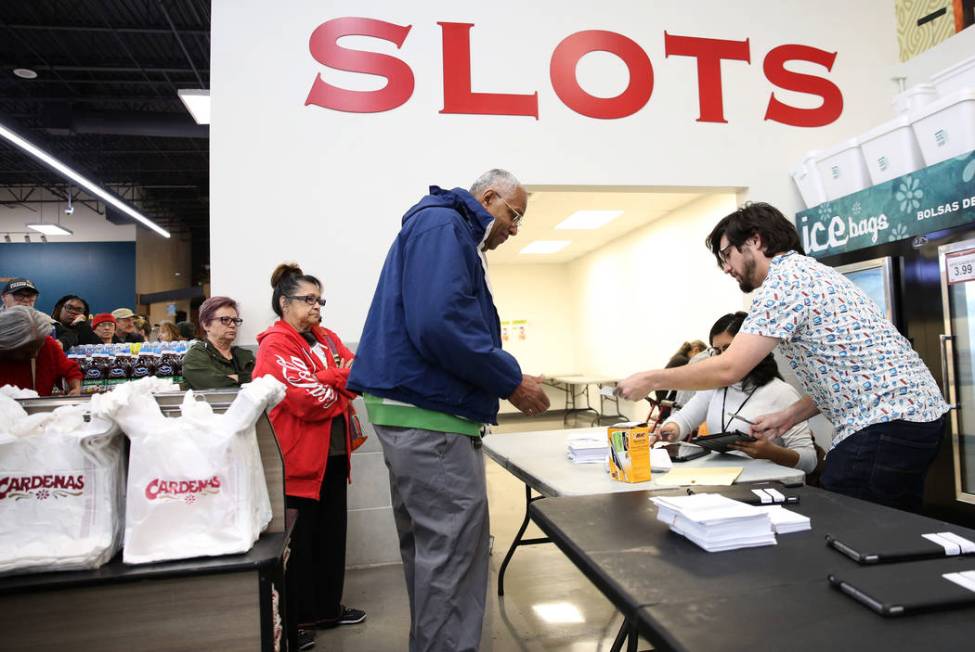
x,y
724,401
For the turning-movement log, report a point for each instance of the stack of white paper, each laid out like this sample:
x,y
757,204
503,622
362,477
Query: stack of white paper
x,y
714,522
785,521
588,450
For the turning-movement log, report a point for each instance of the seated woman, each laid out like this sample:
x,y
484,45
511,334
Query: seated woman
x,y
215,362
30,358
762,391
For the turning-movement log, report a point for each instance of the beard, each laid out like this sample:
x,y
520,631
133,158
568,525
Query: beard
x,y
747,282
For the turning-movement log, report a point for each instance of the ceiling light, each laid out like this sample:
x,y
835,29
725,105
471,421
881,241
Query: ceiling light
x,y
197,102
588,220
26,238
545,246
25,73
6,237
43,238
561,613
104,195
50,229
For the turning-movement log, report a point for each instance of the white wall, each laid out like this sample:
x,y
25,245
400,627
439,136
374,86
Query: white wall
x,y
625,307
544,296
334,185
640,297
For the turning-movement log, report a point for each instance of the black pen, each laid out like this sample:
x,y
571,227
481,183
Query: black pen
x,y
740,418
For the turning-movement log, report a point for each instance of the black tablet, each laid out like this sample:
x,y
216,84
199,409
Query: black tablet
x,y
680,452
913,587
721,442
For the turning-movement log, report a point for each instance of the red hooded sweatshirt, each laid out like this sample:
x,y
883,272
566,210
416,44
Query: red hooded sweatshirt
x,y
315,395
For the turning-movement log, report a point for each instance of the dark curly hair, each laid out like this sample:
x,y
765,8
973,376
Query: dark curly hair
x,y
764,371
777,232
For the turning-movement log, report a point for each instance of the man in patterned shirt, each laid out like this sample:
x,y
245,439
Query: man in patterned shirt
x,y
856,369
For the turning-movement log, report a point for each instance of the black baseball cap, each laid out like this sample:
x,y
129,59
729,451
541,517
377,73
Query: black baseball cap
x,y
19,285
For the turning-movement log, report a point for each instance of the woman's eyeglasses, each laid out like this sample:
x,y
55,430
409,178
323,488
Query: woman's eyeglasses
x,y
227,321
308,299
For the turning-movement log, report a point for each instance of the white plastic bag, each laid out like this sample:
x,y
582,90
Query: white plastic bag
x,y
60,489
196,484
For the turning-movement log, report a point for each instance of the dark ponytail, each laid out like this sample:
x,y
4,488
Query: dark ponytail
x,y
765,370
285,280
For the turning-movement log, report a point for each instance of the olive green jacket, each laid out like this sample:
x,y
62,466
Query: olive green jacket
x,y
205,368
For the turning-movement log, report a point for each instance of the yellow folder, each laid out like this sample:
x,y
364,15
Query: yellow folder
x,y
716,475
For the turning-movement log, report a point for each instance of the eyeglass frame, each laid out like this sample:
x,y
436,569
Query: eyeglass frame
x,y
307,299
236,321
518,217
724,253
74,310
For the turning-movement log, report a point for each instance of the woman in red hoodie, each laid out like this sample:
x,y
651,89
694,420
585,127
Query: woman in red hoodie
x,y
312,427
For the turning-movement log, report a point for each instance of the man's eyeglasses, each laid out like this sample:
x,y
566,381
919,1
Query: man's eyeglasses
x,y
74,309
518,217
309,299
227,321
724,253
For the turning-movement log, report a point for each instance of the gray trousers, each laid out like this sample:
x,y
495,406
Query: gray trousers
x,y
440,505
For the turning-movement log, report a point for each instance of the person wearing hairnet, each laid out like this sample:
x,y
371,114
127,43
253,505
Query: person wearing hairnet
x,y
30,358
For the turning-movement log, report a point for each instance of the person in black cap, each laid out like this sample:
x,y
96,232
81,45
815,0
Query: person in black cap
x,y
19,292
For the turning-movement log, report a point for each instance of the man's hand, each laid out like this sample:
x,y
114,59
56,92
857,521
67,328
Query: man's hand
x,y
635,387
234,377
529,397
78,320
769,426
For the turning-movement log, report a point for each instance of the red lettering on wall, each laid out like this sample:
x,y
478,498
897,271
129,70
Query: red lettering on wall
x,y
562,70
326,51
457,94
709,53
775,71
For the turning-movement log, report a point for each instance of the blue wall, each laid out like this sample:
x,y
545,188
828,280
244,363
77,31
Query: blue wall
x,y
103,273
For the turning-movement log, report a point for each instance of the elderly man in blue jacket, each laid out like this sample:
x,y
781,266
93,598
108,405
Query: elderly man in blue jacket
x,y
431,370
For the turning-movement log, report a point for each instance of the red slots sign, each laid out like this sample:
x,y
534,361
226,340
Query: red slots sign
x,y
459,98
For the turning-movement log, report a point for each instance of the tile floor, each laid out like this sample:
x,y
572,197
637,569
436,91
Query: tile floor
x,y
540,581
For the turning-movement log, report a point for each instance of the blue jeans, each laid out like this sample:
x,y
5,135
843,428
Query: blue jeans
x,y
885,463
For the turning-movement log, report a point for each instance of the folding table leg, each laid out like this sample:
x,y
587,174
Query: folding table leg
x,y
519,541
628,635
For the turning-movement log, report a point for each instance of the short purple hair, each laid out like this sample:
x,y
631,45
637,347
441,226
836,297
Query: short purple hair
x,y
209,308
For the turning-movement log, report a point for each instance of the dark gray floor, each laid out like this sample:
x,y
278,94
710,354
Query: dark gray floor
x,y
549,605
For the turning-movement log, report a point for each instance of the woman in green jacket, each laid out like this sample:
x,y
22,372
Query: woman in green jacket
x,y
215,362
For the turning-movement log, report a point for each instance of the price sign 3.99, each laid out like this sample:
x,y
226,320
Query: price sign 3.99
x,y
960,267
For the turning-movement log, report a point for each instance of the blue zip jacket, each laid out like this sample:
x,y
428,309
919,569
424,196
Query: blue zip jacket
x,y
432,337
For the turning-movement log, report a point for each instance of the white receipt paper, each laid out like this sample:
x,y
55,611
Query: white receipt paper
x,y
964,578
951,542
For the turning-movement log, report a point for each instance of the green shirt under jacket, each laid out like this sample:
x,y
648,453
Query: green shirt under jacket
x,y
205,368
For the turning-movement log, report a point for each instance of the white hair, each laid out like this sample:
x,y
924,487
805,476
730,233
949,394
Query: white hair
x,y
20,326
500,180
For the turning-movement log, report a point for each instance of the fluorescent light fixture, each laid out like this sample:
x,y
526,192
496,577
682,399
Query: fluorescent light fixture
x,y
197,103
50,229
545,246
587,220
25,73
89,185
558,613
